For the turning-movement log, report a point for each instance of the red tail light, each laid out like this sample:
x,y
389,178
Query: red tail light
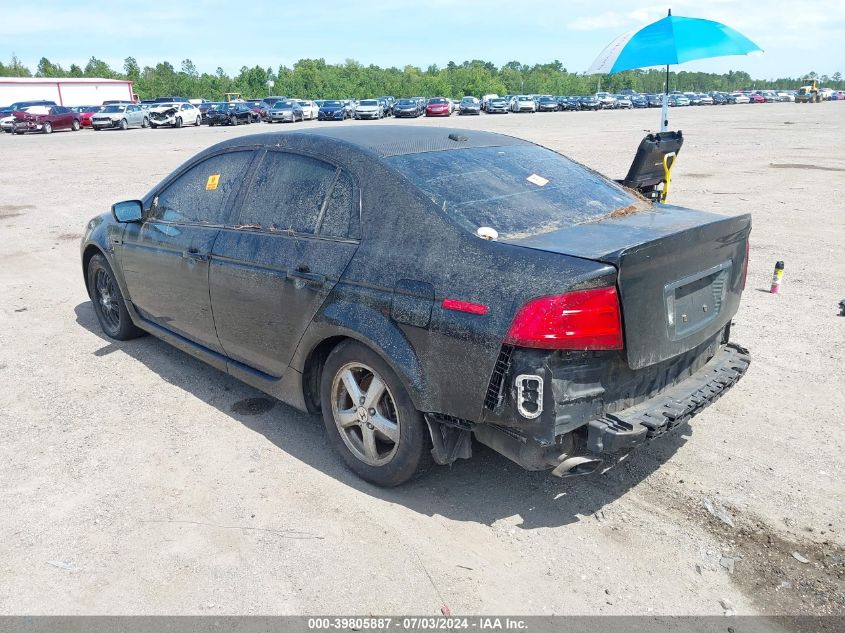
x,y
745,266
581,320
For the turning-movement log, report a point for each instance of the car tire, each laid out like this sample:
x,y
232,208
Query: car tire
x,y
177,122
198,121
145,122
47,128
109,305
385,441
124,125
153,125
233,120
75,125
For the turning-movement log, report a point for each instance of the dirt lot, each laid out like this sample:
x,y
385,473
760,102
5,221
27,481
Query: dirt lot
x,y
135,480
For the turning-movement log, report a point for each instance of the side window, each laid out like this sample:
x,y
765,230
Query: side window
x,y
340,218
200,195
288,192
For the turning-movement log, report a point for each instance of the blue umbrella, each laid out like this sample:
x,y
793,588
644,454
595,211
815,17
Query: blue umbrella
x,y
672,40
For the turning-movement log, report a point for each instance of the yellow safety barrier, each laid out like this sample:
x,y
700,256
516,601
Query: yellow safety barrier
x,y
668,163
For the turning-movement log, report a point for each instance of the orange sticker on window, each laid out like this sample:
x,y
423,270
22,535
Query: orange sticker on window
x,y
212,182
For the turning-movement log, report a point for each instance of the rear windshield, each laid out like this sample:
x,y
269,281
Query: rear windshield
x,y
369,102
519,191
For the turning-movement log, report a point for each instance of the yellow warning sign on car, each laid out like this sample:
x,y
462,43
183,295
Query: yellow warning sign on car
x,y
212,182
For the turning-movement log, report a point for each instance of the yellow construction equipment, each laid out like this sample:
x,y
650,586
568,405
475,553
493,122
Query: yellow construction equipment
x,y
808,93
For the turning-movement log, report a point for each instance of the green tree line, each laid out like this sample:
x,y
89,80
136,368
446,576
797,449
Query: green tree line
x,y
316,79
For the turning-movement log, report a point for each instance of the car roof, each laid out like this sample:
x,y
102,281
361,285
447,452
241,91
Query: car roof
x,y
383,140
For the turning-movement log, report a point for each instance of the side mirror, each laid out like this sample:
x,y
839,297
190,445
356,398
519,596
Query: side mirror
x,y
128,211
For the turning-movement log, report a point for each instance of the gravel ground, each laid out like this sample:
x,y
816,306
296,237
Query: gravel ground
x,y
133,482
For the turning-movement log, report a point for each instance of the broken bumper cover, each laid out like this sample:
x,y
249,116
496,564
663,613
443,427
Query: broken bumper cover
x,y
163,119
27,126
619,432
603,440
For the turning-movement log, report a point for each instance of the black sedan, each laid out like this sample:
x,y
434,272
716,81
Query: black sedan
x,y
407,108
332,111
547,104
469,105
420,286
590,103
230,114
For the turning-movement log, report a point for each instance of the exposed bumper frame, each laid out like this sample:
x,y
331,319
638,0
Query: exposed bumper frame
x,y
616,432
605,441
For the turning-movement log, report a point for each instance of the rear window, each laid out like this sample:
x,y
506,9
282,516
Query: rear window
x,y
519,191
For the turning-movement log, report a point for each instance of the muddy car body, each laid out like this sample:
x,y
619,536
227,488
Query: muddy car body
x,y
353,271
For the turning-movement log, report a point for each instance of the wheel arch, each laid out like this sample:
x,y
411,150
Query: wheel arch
x,y
312,370
87,255
347,321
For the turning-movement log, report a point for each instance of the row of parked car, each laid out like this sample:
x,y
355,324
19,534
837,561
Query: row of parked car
x,y
609,101
47,116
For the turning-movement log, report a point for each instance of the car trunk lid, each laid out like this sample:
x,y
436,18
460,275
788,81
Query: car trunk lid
x,y
680,273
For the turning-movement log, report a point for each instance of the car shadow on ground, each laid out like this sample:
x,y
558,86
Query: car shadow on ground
x,y
484,489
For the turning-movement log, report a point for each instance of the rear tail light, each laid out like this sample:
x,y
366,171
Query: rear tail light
x,y
581,320
745,265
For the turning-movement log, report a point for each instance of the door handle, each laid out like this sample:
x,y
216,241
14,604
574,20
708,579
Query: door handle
x,y
307,277
195,255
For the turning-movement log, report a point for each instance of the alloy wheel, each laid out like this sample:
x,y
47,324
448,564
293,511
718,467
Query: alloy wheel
x,y
106,297
365,413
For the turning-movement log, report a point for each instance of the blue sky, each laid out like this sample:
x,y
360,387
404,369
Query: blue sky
x,y
797,35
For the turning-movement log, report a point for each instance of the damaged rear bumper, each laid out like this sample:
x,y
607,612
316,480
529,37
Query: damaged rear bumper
x,y
603,441
620,431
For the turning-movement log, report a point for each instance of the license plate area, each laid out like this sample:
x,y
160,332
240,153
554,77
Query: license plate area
x,y
692,303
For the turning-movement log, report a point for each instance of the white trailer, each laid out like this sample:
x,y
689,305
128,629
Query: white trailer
x,y
67,91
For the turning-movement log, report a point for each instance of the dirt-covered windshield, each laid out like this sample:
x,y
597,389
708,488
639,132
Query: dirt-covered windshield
x,y
518,191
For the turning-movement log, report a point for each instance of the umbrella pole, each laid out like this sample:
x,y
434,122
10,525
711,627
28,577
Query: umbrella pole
x,y
664,111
